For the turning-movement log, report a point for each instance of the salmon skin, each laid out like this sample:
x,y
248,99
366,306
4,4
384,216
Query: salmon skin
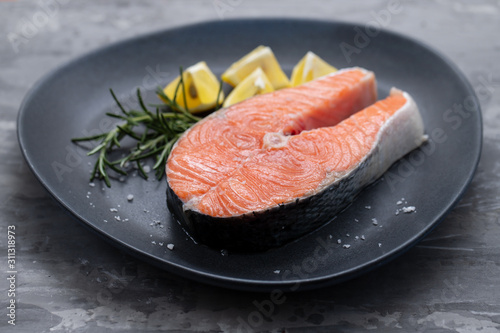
x,y
291,169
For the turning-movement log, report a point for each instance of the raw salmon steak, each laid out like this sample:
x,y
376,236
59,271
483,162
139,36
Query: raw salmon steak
x,y
270,169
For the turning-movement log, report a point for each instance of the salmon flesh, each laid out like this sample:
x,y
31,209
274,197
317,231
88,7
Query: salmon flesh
x,y
270,169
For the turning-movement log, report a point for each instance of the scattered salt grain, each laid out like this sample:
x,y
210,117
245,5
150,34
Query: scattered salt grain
x,y
277,271
374,221
114,210
363,237
170,246
346,246
368,207
356,238
118,218
409,209
399,202
153,242
347,235
379,244
130,197
161,243
92,184
105,221
146,168
223,252
339,241
330,236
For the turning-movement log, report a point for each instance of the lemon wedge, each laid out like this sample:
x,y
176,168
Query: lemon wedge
x,y
201,87
256,83
262,57
310,67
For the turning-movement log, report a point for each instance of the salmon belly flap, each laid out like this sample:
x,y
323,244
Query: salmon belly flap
x,y
267,170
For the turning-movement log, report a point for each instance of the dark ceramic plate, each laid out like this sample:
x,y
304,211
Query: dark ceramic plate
x,y
71,102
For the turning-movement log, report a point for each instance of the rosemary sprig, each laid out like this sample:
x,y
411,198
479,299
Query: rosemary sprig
x,y
155,134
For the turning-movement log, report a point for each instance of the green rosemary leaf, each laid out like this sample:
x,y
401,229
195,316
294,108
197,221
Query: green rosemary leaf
x,y
114,115
112,166
141,103
184,92
97,148
217,104
89,138
141,170
128,132
118,102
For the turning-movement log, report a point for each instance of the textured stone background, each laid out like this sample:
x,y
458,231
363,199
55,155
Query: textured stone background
x,y
71,281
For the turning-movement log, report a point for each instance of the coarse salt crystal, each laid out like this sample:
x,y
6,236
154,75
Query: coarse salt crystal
x,y
170,246
368,207
130,197
346,246
409,209
114,210
92,184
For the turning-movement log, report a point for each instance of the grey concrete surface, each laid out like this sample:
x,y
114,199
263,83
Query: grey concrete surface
x,y
69,280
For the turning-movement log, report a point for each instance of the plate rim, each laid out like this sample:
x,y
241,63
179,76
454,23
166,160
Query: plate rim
x,y
232,282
